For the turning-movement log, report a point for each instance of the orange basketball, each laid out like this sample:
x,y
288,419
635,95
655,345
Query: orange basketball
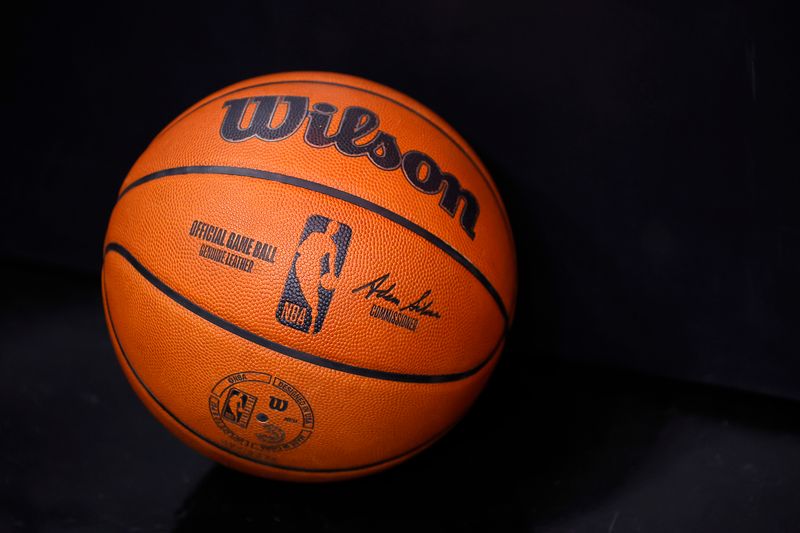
x,y
308,276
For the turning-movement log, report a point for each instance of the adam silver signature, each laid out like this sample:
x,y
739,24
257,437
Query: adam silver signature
x,y
379,289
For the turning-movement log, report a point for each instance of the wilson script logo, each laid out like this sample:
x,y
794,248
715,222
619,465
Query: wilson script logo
x,y
357,136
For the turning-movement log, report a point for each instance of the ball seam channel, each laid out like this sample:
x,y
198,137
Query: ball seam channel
x,y
208,441
339,194
282,349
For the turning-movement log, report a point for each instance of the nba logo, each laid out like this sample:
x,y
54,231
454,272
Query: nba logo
x,y
238,407
315,270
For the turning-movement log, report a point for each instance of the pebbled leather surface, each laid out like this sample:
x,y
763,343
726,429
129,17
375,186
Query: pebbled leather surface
x,y
188,310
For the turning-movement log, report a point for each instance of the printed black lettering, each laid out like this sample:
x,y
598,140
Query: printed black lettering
x,y
424,173
318,124
260,124
378,289
265,252
358,123
357,135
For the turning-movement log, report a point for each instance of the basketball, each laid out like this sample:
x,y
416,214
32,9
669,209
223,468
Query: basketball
x,y
308,276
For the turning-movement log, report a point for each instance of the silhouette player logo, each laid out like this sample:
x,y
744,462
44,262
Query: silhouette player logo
x,y
238,407
315,271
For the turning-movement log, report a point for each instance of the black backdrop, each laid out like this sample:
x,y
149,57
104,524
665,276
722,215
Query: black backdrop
x,y
647,151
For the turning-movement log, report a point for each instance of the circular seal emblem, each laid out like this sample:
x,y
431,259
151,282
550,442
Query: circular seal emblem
x,y
272,434
261,413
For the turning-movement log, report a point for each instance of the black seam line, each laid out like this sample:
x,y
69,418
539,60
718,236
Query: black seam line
x,y
461,149
286,350
240,456
341,195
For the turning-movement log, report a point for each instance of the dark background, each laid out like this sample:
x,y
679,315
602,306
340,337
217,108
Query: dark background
x,y
648,155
